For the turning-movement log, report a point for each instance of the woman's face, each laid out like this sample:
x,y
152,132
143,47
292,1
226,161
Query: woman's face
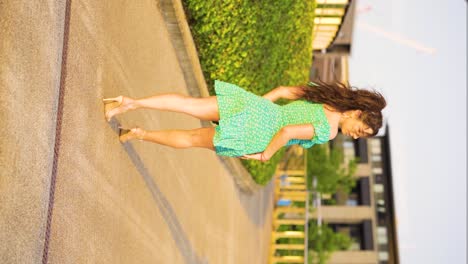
x,y
353,126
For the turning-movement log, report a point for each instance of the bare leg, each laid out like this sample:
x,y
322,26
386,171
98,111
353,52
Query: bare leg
x,y
205,108
201,137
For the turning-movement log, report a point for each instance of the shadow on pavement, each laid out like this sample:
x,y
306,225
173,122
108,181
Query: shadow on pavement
x,y
258,217
185,247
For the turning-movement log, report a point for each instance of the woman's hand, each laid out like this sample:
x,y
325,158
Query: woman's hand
x,y
256,156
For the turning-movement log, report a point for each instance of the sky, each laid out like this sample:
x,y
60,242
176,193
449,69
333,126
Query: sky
x,y
414,53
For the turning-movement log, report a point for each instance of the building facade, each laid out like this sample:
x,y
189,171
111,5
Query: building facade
x,y
332,39
366,214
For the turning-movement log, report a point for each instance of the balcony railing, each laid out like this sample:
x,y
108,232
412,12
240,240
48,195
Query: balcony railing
x,y
329,16
291,210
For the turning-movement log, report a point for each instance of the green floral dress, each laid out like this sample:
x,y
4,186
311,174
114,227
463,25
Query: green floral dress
x,y
248,122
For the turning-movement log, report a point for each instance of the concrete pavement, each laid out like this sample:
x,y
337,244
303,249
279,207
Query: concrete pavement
x,y
31,36
132,203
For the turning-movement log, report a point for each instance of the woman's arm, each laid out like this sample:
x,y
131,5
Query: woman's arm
x,y
274,94
305,131
292,92
286,92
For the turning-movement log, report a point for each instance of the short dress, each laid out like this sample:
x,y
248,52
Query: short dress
x,y
249,122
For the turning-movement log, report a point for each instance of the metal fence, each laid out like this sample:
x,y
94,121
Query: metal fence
x,y
291,211
329,15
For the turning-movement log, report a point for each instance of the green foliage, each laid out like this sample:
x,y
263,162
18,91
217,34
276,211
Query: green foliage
x,y
257,45
323,241
331,175
329,202
327,167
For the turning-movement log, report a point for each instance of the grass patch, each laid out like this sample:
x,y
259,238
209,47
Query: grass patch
x,y
255,44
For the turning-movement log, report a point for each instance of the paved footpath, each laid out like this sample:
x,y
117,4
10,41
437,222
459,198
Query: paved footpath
x,y
113,203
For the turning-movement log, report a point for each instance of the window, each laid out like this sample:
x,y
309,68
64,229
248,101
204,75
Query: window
x,y
376,150
376,158
375,146
382,235
351,202
355,246
378,188
354,197
378,178
382,240
377,170
383,255
355,231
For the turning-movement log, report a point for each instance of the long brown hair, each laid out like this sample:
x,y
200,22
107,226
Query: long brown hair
x,y
344,97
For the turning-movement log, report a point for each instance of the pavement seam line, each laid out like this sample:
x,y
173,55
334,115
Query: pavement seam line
x,y
58,130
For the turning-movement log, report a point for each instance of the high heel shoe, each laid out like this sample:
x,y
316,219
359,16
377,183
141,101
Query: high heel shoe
x,y
116,105
126,134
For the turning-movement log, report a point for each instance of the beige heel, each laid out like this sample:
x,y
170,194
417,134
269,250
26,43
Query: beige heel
x,y
118,99
113,103
125,132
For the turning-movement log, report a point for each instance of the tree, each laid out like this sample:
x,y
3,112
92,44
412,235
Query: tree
x,y
328,167
331,175
323,241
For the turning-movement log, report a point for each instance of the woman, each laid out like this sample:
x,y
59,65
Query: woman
x,y
254,127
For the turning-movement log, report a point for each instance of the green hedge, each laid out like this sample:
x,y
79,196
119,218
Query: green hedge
x,y
255,44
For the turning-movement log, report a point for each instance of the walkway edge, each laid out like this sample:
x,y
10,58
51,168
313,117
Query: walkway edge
x,y
182,40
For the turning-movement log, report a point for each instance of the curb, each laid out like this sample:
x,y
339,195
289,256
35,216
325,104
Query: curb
x,y
182,40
